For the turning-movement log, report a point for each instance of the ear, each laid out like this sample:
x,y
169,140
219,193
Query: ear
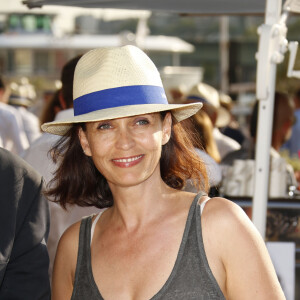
x,y
166,128
84,142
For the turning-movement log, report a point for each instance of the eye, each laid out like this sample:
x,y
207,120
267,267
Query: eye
x,y
142,122
103,126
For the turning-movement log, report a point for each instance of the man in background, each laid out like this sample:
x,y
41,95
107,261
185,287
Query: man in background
x,y
24,227
283,119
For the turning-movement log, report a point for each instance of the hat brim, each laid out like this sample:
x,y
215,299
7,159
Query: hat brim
x,y
20,102
180,112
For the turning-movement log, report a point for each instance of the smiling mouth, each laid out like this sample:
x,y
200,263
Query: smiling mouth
x,y
128,160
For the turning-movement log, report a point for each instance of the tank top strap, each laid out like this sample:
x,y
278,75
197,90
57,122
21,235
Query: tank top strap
x,y
210,277
203,204
84,234
94,224
198,197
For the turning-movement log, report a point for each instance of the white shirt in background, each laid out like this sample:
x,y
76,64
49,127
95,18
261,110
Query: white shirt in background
x,y
224,143
31,124
12,133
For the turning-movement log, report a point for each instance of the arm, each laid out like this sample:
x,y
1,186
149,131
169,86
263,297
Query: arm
x,y
246,270
65,264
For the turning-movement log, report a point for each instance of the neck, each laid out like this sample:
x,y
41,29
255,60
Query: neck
x,y
138,205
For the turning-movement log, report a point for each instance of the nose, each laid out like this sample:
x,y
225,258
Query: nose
x,y
124,139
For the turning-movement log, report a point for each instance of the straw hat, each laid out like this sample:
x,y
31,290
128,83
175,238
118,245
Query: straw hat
x,y
208,95
112,83
22,94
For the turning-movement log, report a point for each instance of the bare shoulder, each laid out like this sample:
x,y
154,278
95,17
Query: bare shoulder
x,y
230,224
66,256
65,263
223,212
68,246
239,246
68,243
70,237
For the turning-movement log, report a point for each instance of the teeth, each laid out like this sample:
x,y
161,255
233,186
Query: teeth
x,y
127,160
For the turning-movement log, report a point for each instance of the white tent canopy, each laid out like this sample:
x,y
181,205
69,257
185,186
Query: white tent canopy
x,y
272,46
211,7
170,44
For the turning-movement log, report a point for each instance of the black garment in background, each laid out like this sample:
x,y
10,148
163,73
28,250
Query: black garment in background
x,y
234,133
24,226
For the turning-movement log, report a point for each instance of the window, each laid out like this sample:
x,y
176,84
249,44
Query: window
x,y
29,23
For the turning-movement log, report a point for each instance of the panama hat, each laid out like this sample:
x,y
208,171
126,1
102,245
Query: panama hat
x,y
111,83
208,95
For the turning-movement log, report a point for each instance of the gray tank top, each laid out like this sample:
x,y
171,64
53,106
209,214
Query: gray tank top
x,y
191,277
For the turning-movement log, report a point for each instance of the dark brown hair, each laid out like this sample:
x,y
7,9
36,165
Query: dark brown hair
x,y
67,78
77,180
49,111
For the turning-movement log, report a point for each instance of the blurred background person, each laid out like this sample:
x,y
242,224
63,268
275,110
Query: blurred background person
x,y
46,92
219,116
205,145
12,132
283,119
22,97
293,143
37,155
232,128
24,219
60,106
52,108
203,127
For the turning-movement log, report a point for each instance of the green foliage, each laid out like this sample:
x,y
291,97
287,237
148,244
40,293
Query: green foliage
x,y
293,161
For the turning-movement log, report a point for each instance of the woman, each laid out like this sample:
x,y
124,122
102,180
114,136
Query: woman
x,y
126,150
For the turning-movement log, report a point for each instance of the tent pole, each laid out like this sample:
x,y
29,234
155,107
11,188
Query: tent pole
x,y
268,56
224,53
262,156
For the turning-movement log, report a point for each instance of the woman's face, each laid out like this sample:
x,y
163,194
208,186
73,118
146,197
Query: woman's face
x,y
127,150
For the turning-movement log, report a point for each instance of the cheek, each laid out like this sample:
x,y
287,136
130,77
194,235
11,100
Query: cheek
x,y
99,144
154,141
101,155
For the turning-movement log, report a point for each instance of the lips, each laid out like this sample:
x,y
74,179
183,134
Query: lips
x,y
128,161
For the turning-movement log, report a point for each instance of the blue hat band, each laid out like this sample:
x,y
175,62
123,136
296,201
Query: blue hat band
x,y
120,96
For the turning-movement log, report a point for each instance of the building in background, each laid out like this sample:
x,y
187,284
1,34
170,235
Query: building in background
x,y
37,43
